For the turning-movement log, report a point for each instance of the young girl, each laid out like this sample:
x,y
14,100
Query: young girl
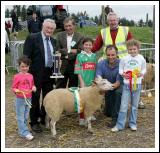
x,y
22,86
132,68
85,66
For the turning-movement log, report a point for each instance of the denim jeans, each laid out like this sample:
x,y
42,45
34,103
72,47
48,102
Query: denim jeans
x,y
126,97
22,114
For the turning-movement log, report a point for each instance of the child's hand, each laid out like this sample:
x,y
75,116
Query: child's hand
x,y
82,84
125,75
34,88
17,91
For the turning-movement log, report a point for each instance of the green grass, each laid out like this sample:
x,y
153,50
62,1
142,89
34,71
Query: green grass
x,y
143,34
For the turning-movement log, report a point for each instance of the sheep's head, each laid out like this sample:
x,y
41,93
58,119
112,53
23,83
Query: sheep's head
x,y
103,84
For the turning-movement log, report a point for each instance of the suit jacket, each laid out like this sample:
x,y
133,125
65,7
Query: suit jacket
x,y
62,48
34,50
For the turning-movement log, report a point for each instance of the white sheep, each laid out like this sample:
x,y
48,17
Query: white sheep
x,y
59,100
149,79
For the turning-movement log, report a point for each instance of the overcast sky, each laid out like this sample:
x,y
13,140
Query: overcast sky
x,y
134,12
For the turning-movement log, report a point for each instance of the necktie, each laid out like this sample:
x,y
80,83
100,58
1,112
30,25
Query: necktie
x,y
50,60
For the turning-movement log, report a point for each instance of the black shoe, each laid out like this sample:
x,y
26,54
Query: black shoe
x,y
111,125
107,114
42,121
36,128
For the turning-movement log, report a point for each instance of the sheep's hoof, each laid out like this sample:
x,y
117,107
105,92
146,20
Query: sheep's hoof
x,y
47,127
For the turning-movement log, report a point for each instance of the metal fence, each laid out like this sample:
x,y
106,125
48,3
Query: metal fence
x,y
22,25
147,50
16,51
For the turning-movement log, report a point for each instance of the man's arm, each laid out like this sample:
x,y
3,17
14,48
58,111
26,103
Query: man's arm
x,y
76,49
97,44
29,26
60,47
28,46
99,69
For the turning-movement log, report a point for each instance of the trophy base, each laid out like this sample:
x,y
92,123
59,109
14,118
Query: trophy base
x,y
57,76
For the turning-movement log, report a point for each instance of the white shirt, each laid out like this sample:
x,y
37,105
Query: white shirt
x,y
45,48
129,63
69,40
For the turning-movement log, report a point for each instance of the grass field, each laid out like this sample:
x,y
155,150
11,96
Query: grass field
x,y
143,34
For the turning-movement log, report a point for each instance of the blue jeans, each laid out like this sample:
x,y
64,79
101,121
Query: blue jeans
x,y
126,97
22,114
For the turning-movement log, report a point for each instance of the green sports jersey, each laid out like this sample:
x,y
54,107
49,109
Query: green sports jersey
x,y
86,65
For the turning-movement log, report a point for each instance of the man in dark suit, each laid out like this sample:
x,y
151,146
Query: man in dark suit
x,y
39,47
34,24
69,44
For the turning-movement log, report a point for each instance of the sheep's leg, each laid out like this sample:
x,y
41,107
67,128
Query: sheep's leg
x,y
47,120
53,127
89,125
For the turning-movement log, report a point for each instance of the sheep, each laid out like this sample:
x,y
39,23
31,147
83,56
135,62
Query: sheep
x,y
59,100
149,78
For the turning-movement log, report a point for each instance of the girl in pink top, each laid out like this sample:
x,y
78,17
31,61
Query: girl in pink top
x,y
22,86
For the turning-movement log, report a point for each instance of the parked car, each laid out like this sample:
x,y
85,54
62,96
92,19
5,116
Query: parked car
x,y
88,23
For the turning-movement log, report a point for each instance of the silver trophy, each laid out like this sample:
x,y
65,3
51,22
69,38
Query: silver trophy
x,y
57,64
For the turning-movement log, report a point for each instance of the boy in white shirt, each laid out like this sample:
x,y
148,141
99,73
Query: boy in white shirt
x,y
132,68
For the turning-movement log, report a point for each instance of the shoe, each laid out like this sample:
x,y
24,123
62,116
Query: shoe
x,y
93,118
36,128
29,137
111,125
133,128
107,114
115,129
141,105
82,122
42,120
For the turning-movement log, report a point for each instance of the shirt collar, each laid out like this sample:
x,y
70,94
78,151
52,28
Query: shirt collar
x,y
70,35
89,54
116,63
115,29
43,36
